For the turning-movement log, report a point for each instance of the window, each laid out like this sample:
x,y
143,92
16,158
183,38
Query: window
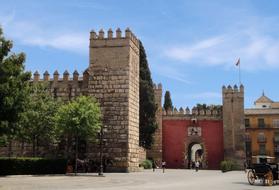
x,y
275,123
261,138
276,149
276,137
261,123
262,149
247,123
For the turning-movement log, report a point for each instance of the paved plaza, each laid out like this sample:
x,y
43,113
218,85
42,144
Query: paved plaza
x,y
171,180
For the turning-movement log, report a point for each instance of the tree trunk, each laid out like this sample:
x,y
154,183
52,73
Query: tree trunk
x,y
10,147
33,145
37,146
67,147
76,157
22,148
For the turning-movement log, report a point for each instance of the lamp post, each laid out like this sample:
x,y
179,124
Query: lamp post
x,y
101,172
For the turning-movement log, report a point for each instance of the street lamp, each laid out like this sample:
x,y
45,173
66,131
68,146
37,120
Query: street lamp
x,y
101,172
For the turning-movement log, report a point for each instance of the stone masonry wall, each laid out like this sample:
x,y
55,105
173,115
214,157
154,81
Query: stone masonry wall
x,y
114,81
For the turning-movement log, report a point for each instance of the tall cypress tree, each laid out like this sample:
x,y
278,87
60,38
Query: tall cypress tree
x,y
148,106
168,103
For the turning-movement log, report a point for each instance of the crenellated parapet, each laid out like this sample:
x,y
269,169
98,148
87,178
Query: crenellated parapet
x,y
233,91
65,86
56,76
211,111
110,39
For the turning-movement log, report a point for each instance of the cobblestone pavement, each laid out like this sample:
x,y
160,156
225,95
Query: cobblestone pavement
x,y
171,179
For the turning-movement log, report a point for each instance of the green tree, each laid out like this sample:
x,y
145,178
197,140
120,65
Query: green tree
x,y
14,85
148,106
167,102
202,106
38,120
79,119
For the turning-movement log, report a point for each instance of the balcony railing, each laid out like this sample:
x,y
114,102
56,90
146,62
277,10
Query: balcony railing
x,y
266,153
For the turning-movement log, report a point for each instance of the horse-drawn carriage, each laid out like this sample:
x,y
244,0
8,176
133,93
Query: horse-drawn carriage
x,y
267,173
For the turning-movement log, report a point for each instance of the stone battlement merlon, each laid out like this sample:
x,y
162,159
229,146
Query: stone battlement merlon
x,y
66,76
101,35
157,86
234,89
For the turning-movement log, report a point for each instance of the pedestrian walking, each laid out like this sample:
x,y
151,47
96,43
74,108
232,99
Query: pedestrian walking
x,y
197,165
163,166
154,165
245,165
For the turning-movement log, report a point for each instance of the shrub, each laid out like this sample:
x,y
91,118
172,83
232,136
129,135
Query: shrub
x,y
21,166
146,164
228,165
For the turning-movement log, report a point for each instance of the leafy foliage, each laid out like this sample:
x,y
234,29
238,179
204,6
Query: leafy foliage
x,y
14,87
38,121
148,106
146,164
205,106
80,118
168,103
228,165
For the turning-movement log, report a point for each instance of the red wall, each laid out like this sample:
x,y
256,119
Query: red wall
x,y
175,134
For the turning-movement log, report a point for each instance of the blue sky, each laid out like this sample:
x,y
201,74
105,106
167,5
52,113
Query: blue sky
x,y
192,46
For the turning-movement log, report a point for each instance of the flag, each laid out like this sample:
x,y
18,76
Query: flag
x,y
238,62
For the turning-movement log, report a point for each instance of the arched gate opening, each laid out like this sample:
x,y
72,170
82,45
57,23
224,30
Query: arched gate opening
x,y
195,153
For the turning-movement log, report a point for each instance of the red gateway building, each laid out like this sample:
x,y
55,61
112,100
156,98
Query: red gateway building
x,y
209,134
187,138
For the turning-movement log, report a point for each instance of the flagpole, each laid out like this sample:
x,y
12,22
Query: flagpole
x,y
239,73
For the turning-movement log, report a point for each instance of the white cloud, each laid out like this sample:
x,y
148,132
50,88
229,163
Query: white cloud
x,y
171,72
257,49
70,42
189,52
33,34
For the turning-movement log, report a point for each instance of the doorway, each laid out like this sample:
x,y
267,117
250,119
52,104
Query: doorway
x,y
195,153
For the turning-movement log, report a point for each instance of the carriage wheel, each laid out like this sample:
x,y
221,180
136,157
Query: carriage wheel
x,y
269,178
251,177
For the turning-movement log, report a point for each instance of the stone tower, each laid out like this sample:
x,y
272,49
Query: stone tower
x,y
156,149
233,123
114,81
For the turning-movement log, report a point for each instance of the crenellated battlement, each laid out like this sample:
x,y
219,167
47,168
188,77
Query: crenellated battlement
x,y
110,36
234,89
208,112
157,86
56,76
64,87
